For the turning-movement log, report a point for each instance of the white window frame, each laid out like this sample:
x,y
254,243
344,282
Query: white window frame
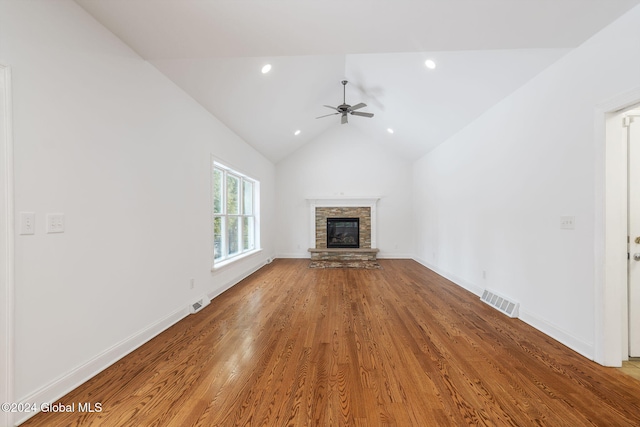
x,y
225,258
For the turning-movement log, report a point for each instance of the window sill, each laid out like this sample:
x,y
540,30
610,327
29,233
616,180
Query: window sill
x,y
221,264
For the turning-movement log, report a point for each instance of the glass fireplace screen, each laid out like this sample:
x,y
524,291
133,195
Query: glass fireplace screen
x,y
343,232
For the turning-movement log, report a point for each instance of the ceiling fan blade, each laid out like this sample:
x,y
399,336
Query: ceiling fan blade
x,y
344,119
333,108
327,115
357,113
358,106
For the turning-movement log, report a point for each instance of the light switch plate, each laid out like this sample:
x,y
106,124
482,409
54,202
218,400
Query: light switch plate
x,y
27,223
567,222
55,223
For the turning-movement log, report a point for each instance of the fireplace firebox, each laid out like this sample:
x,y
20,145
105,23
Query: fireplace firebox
x,y
343,232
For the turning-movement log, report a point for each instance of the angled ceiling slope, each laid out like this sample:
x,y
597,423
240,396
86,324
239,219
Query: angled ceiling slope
x,y
483,49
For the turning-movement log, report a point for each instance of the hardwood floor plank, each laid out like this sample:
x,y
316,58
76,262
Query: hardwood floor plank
x,y
399,346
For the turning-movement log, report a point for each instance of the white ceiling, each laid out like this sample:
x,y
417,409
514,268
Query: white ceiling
x,y
484,50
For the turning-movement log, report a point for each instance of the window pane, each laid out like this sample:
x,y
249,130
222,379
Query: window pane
x,y
217,191
248,197
233,195
218,237
235,202
248,233
233,231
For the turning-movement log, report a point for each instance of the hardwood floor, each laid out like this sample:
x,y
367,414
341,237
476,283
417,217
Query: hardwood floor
x,y
400,346
632,367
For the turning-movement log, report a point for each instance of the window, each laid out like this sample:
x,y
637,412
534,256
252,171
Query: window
x,y
235,202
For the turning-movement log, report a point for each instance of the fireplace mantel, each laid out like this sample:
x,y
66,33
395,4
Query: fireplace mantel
x,y
340,202
343,201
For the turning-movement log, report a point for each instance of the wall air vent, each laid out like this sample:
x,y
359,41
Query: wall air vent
x,y
198,305
500,303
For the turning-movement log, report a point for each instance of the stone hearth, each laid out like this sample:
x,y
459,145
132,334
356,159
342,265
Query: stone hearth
x,y
367,265
344,254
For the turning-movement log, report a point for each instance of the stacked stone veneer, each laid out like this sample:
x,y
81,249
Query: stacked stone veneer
x,y
322,213
364,253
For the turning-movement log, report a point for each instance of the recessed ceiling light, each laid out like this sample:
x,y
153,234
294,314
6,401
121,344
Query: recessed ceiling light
x,y
430,63
389,130
266,69
296,133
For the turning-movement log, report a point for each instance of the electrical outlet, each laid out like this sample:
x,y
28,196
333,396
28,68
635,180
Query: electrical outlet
x,y
567,222
27,223
55,223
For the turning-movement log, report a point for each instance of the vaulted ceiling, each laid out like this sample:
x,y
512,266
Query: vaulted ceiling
x,y
483,50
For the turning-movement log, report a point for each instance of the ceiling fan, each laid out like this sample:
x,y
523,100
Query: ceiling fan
x,y
345,108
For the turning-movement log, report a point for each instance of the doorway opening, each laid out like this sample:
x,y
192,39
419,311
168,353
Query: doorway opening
x,y
611,339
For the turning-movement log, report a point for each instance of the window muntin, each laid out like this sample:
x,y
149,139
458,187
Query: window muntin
x,y
234,213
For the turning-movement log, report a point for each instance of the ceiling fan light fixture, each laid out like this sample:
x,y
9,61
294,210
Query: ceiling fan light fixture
x,y
344,109
266,68
430,64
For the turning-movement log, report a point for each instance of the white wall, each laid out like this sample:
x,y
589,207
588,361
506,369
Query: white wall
x,y
103,137
343,162
490,198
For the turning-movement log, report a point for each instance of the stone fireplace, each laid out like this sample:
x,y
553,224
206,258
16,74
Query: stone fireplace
x,y
324,213
352,245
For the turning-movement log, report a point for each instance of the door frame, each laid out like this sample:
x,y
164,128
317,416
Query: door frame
x,y
633,114
610,230
7,255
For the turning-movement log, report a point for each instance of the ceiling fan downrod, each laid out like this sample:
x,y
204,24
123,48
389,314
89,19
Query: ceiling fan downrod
x,y
344,91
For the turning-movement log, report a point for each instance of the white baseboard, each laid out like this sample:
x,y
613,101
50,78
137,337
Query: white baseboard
x,y
387,255
64,384
231,283
294,255
558,334
474,289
